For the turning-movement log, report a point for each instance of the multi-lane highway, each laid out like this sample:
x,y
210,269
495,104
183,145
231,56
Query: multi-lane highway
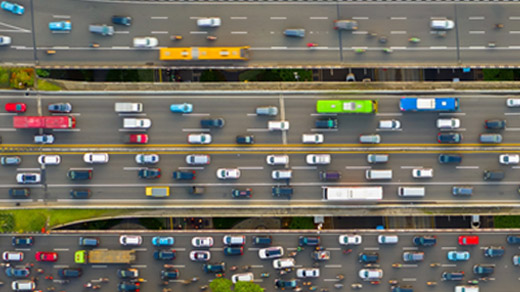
x,y
261,26
99,129
415,274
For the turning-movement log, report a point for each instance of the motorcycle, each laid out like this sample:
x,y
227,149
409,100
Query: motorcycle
x,y
51,52
388,50
293,253
340,277
94,45
499,26
431,283
375,282
176,37
219,275
338,285
491,45
194,279
264,275
397,265
414,40
434,265
167,266
233,268
358,51
473,282
312,45
356,286
203,288
211,38
313,288
393,282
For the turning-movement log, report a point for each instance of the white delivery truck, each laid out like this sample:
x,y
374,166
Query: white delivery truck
x,y
128,107
133,123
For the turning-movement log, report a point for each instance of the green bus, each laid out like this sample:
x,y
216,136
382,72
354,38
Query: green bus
x,y
346,106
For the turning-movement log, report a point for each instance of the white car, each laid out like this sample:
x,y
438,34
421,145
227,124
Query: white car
x,y
370,274
281,174
130,240
513,102
308,273
452,123
389,124
95,157
12,256
49,159
147,158
28,178
228,173
198,159
202,241
350,239
209,22
200,255
312,138
201,138
509,159
314,159
422,172
284,263
5,40
145,42
277,159
23,285
444,24
272,252
243,277
278,125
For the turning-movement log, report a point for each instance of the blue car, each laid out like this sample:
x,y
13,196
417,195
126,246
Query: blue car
x,y
12,7
181,108
60,25
167,254
458,255
163,241
17,273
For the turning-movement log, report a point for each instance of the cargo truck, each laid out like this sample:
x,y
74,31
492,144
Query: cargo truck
x,y
44,122
104,256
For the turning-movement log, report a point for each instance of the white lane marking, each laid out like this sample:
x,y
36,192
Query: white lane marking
x,y
140,249
258,130
159,17
516,48
139,266
197,114
334,248
360,32
132,168
8,114
251,114
358,167
410,167
238,17
60,249
448,265
371,248
257,266
390,130
450,130
239,32
452,114
514,32
159,32
66,130
360,17
409,279
190,168
512,129
7,129
323,130
318,17
278,17
61,16
251,167
477,47
467,167
198,32
15,28
448,247
27,169
132,114
398,18
398,32
99,266
304,167
178,266
132,130
512,114
122,32
216,249
477,32
410,248
278,48
476,18
253,249
323,115
22,249
60,266
438,47
195,130
514,17
333,266
389,114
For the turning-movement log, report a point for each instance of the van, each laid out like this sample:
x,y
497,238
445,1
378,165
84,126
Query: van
x,y
373,174
102,29
243,277
466,288
411,191
443,24
284,263
490,138
462,190
387,239
281,174
128,107
294,32
377,158
88,241
157,192
330,175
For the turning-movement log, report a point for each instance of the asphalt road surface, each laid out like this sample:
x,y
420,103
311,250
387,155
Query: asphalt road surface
x,y
415,274
99,129
261,26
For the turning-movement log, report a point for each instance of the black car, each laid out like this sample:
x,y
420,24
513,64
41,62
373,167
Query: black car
x,y
245,139
19,192
79,174
167,254
279,191
184,175
368,257
239,250
328,123
513,239
149,172
129,287
70,272
212,123
169,274
494,175
494,251
483,270
449,137
495,124
262,240
280,283
309,240
23,241
425,240
452,276
450,158
245,193
123,20
214,267
80,193
128,273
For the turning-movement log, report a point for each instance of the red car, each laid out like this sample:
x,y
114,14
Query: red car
x,y
15,107
46,256
468,240
136,138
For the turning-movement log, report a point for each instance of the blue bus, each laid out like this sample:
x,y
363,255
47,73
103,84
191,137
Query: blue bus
x,y
414,104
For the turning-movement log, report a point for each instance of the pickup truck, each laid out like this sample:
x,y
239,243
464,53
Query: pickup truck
x,y
133,123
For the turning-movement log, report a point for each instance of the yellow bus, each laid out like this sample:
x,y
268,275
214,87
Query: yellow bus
x,y
204,53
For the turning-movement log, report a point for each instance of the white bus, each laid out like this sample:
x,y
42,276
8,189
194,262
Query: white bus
x,y
352,193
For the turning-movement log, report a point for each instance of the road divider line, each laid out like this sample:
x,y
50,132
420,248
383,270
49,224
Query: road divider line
x,y
191,167
512,129
60,249
66,130
132,168
410,248
448,248
132,115
514,32
476,32
27,169
514,17
139,266
452,114
323,115
132,130
323,130
448,265
22,249
304,167
477,47
410,167
251,114
398,18
467,167
476,18
278,48
360,17
257,266
278,18
371,248
250,167
122,32
451,130
318,17
99,266
258,130
195,130
253,249
512,114
438,47
159,17
238,17
61,16
141,249
159,32
60,266
330,280
409,279
333,248
216,249
239,32
358,167
198,32
398,32
389,130
197,115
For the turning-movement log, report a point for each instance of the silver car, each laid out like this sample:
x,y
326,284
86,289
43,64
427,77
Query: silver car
x,y
370,139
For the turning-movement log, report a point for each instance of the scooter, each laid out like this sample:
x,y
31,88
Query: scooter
x,y
211,38
414,40
264,275
176,37
312,45
94,45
